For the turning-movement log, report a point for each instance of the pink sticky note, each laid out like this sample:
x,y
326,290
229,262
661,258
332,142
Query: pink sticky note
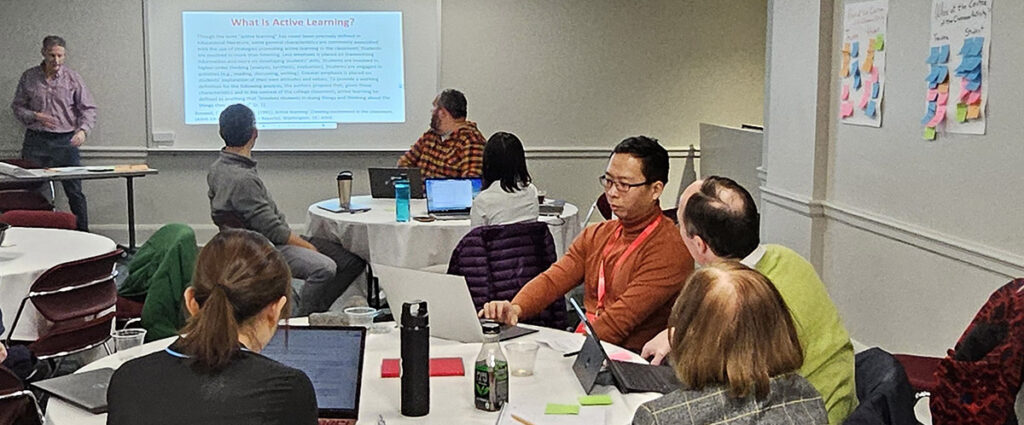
x,y
940,114
943,98
933,94
621,356
874,73
963,84
845,110
864,99
974,97
846,91
963,94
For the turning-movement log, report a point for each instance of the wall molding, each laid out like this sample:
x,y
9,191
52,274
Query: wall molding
x,y
948,246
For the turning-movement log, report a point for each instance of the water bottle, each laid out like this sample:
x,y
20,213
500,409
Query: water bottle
x,y
415,359
402,198
490,373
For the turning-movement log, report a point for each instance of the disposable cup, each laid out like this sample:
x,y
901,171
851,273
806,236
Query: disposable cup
x,y
521,357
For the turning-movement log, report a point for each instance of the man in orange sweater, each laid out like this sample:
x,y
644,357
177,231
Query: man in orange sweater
x,y
632,268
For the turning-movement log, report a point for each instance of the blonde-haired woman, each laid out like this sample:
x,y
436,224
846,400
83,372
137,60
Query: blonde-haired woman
x,y
735,350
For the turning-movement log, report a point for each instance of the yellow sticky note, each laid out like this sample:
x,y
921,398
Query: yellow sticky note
x,y
879,42
961,112
869,62
973,111
561,409
929,133
595,400
846,47
844,71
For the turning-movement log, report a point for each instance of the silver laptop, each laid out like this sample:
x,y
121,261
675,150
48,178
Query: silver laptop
x,y
381,178
452,314
87,390
451,199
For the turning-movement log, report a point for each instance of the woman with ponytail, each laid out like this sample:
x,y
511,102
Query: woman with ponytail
x,y
213,374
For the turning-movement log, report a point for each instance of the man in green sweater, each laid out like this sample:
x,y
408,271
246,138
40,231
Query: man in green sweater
x,y
719,220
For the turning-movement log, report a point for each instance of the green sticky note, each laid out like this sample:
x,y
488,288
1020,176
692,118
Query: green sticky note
x,y
562,409
595,400
961,112
879,42
929,133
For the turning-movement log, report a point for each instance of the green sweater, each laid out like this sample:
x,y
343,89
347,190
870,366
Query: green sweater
x,y
828,353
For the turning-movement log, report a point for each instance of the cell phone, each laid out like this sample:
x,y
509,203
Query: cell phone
x,y
424,218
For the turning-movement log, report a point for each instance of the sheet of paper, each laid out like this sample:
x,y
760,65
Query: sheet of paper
x,y
963,31
864,27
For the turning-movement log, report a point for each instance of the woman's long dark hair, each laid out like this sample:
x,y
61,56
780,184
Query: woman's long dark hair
x,y
505,162
238,274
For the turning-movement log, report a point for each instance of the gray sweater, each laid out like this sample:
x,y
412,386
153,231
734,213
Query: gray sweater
x,y
791,400
236,188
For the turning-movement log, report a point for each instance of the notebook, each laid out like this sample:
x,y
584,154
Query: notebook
x,y
87,390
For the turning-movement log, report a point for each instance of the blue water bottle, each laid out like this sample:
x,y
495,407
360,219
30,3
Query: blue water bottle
x,y
402,198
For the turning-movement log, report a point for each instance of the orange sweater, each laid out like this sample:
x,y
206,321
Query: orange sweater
x,y
638,299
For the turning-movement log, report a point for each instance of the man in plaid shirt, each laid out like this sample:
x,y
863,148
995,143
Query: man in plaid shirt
x,y
453,147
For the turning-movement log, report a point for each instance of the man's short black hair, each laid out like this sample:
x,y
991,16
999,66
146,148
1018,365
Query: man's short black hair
x,y
454,102
648,151
52,40
730,231
236,125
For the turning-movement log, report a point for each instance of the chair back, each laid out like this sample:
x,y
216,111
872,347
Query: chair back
x,y
40,218
17,405
497,261
227,220
14,198
76,289
884,393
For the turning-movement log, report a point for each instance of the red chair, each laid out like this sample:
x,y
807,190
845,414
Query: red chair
x,y
71,295
16,195
920,371
48,219
17,405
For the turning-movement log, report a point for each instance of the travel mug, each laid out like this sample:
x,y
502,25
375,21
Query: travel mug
x,y
345,189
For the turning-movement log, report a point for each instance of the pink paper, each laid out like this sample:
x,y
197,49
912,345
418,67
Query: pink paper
x,y
621,356
963,84
940,114
975,97
933,94
963,94
864,99
874,73
943,98
845,110
846,91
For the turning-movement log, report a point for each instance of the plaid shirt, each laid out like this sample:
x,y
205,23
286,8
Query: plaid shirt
x,y
791,400
459,155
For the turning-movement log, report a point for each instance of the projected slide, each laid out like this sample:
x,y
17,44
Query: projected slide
x,y
296,70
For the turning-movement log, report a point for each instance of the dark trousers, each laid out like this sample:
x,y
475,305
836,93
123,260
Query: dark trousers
x,y
55,150
327,272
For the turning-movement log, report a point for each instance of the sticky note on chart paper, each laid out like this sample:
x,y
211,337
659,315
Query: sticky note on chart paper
x,y
929,133
561,409
595,400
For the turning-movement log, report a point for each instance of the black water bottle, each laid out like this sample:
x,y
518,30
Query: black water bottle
x,y
415,359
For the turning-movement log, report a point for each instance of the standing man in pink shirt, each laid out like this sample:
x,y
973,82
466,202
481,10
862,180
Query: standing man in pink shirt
x,y
58,113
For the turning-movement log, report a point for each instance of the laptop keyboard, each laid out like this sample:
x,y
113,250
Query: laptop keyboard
x,y
643,377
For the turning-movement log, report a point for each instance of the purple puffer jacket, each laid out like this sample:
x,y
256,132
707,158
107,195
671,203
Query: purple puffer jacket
x,y
498,260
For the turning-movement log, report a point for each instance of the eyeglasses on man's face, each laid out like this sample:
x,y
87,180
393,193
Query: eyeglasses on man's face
x,y
623,187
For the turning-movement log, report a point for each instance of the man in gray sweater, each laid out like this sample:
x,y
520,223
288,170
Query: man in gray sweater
x,y
239,198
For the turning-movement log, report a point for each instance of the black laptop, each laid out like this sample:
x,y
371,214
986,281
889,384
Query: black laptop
x,y
87,390
381,178
332,357
628,377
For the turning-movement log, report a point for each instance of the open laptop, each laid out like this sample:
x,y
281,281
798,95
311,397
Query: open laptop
x,y
332,357
451,199
453,316
381,187
628,377
87,390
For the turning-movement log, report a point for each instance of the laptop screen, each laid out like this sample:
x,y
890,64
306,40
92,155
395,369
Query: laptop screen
x,y
332,358
451,194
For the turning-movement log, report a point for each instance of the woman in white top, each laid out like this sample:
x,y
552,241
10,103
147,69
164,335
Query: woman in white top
x,y
507,196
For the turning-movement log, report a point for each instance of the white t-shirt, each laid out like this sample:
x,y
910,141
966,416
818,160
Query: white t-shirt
x,y
494,206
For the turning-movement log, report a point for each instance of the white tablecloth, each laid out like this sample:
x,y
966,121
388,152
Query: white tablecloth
x,y
451,398
28,252
376,236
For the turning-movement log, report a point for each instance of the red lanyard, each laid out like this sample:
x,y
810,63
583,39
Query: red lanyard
x,y
618,263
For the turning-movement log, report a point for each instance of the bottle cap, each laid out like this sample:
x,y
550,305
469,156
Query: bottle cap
x,y
491,328
345,175
414,314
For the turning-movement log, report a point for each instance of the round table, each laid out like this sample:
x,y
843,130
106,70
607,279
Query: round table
x,y
26,253
375,236
451,398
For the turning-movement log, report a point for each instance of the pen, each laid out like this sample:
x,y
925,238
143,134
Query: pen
x,y
523,421
571,354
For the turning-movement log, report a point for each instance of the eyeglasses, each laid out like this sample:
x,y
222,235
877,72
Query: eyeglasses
x,y
607,183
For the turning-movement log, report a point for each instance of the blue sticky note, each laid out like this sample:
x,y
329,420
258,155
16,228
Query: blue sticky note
x,y
973,85
943,73
933,55
856,81
943,55
974,75
931,106
931,74
855,68
870,111
854,48
874,90
969,63
928,117
977,43
967,47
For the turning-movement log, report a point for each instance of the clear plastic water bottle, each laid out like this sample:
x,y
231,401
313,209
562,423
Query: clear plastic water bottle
x,y
402,199
490,373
